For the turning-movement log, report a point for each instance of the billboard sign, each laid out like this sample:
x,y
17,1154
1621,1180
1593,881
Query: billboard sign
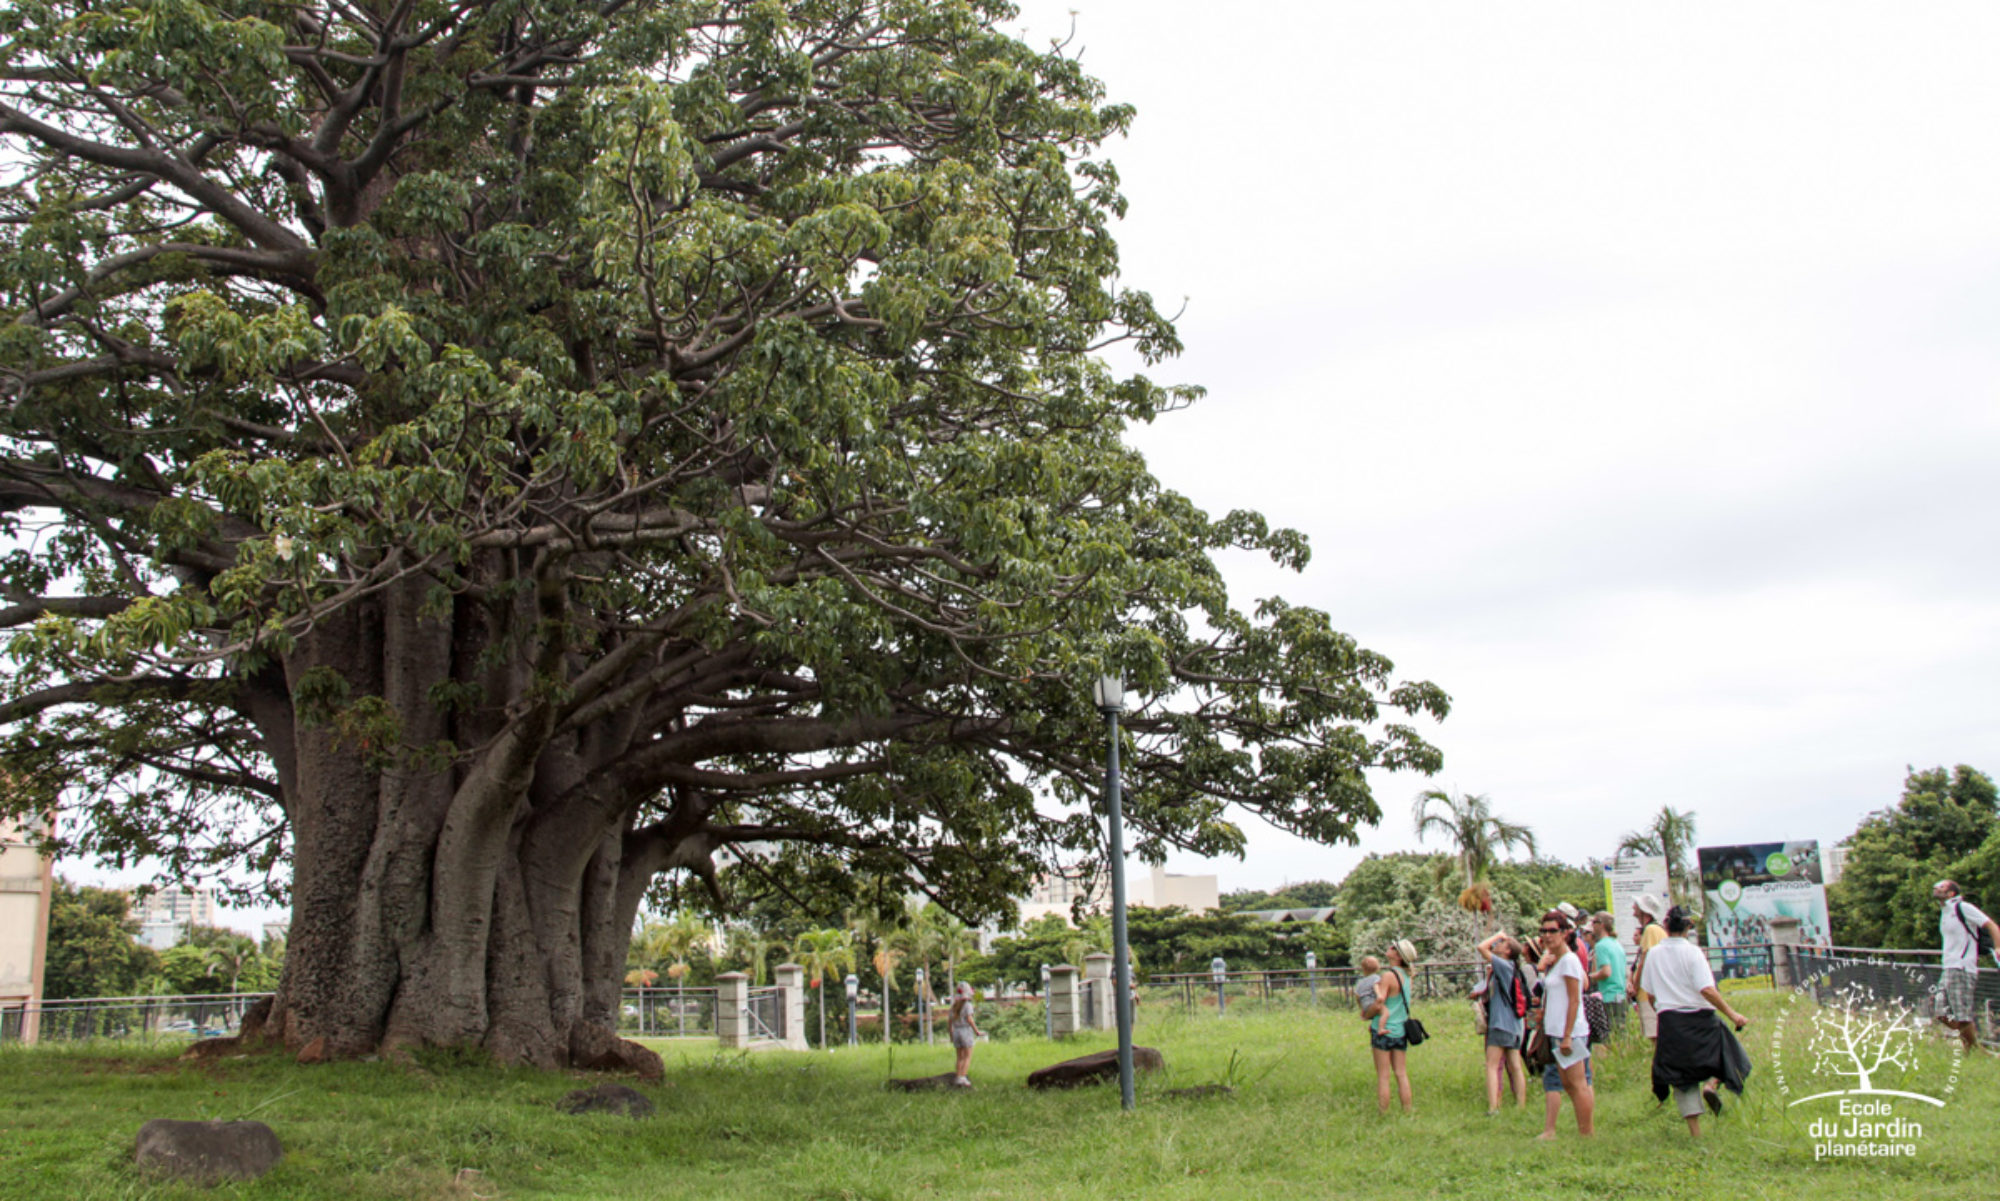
x,y
1749,885
1624,882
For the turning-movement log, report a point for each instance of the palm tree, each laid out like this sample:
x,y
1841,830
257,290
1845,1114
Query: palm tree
x,y
670,944
956,940
755,948
1478,835
882,934
824,953
1671,836
230,955
922,936
1093,935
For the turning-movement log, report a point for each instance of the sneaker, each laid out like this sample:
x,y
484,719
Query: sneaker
x,y
961,1082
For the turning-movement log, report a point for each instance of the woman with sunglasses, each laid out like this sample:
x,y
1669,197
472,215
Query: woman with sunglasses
x,y
1563,978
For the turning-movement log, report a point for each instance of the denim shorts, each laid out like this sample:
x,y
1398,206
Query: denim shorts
x,y
1386,1042
1552,1078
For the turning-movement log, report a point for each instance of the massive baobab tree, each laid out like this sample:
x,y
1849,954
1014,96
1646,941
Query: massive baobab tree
x,y
464,459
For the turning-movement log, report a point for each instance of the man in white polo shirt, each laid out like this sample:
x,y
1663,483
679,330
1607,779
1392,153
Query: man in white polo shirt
x,y
1959,924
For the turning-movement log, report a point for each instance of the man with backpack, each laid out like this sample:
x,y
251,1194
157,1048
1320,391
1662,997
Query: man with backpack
x,y
1967,933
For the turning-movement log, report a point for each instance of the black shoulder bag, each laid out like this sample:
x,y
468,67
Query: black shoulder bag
x,y
1413,1030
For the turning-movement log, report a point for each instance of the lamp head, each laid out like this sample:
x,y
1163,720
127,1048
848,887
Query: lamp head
x,y
1108,694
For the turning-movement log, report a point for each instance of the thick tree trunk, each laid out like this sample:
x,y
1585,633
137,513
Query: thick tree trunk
x,y
441,899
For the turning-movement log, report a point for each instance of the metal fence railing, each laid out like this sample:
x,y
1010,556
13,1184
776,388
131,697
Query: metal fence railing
x,y
647,1012
1911,978
1303,986
209,1015
766,1010
668,1013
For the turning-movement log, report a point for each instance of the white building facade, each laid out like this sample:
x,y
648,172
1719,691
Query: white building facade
x,y
27,886
165,915
1148,888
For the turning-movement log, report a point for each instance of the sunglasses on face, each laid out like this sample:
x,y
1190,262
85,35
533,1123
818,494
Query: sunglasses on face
x,y
1552,929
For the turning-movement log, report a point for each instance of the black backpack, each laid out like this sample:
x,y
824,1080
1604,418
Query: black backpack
x,y
1982,936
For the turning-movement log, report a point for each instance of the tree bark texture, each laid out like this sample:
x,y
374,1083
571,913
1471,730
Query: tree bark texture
x,y
475,899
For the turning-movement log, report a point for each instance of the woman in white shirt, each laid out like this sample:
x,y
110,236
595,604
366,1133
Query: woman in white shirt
x,y
1563,976
1694,1050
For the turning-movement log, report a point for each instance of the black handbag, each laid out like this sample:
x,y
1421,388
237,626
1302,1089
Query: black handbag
x,y
1413,1030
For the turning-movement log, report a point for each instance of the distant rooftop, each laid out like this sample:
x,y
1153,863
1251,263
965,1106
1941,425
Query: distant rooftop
x,y
1274,916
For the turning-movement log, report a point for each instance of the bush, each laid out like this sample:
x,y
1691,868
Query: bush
x,y
1016,1019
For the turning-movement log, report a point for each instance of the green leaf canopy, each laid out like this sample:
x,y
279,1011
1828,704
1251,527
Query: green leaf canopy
x,y
463,460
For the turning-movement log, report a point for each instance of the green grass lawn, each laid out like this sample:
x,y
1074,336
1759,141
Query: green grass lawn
x,y
1302,1123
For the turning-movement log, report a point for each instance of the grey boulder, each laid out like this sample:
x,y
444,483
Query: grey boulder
x,y
207,1152
608,1098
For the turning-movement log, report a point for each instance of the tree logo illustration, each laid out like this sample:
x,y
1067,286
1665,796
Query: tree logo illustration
x,y
1867,1041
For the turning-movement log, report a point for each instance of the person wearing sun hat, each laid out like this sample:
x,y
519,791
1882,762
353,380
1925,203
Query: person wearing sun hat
x,y
1648,910
1386,1038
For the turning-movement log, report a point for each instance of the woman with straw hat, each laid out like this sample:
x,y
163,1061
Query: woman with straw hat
x,y
1386,1033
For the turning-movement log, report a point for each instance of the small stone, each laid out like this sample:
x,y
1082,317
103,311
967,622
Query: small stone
x,y
926,1083
313,1052
608,1098
207,1153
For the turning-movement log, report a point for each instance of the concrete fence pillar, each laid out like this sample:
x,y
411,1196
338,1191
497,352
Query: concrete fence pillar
x,y
792,998
1784,936
732,1004
1064,1020
1097,1001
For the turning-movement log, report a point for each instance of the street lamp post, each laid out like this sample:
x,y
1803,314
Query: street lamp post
x,y
1220,971
853,983
1312,981
1109,695
923,1008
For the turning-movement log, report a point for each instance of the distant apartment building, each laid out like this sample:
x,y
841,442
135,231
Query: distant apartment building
x,y
1154,888
27,885
165,914
1835,865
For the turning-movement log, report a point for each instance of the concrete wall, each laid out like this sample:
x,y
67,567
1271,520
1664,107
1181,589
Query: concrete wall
x,y
26,885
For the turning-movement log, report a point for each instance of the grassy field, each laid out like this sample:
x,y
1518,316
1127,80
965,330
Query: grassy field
x,y
1301,1123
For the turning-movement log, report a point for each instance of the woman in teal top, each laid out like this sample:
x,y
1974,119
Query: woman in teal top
x,y
1607,969
1385,1033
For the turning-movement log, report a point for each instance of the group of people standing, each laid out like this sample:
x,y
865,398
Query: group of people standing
x,y
1536,999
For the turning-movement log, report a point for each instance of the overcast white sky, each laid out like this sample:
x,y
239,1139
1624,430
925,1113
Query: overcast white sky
x,y
1632,369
